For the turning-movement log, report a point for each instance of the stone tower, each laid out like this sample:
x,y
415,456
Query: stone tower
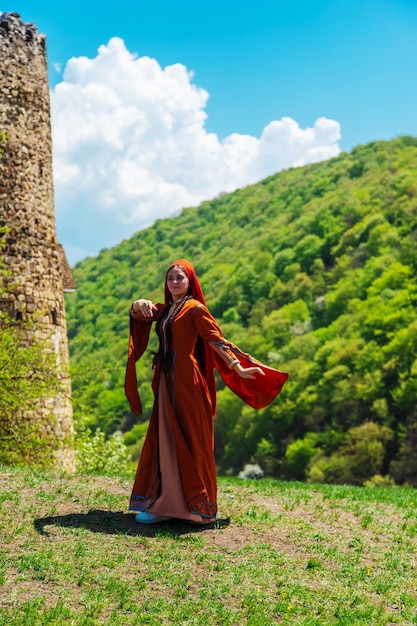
x,y
27,210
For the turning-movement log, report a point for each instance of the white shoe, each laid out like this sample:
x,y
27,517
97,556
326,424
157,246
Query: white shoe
x,y
150,518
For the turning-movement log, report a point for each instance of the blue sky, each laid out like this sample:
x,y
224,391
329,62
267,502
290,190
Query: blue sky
x,y
354,63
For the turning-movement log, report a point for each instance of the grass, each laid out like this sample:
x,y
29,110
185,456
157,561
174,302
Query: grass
x,y
71,554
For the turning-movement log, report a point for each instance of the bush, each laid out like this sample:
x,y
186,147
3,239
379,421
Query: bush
x,y
298,455
360,457
266,456
379,481
96,454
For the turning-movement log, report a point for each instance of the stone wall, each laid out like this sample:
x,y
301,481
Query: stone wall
x,y
27,209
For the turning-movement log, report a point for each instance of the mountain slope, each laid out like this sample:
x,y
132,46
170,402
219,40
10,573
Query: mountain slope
x,y
311,270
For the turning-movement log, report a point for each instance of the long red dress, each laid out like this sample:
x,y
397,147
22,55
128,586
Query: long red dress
x,y
176,475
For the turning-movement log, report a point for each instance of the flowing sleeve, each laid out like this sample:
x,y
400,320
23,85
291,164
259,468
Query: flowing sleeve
x,y
257,392
138,342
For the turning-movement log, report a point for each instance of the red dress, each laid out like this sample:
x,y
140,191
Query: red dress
x,y
176,475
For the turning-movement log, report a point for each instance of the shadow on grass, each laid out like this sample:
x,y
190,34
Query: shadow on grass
x,y
119,523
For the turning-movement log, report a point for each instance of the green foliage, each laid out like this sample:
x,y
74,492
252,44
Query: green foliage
x,y
361,455
403,467
379,481
28,374
97,454
299,453
266,456
313,271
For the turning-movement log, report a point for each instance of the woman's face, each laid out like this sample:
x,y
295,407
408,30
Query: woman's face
x,y
177,282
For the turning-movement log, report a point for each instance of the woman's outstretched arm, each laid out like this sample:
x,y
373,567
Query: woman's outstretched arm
x,y
234,364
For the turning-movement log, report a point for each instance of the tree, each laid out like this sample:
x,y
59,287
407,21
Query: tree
x,y
360,457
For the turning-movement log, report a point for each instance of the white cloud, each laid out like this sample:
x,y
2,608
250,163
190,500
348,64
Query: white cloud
x,y
130,146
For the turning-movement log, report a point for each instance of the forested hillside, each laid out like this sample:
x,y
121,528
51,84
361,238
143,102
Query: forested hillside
x,y
313,271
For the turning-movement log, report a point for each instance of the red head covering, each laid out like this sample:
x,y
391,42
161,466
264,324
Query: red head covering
x,y
195,289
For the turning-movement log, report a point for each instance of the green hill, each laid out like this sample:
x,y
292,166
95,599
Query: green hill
x,y
311,270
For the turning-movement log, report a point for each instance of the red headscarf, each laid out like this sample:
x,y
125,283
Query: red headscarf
x,y
195,288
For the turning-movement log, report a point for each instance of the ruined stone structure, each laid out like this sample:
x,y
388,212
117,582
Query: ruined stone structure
x,y
27,209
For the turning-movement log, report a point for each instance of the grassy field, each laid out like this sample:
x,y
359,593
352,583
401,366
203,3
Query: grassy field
x,y
284,553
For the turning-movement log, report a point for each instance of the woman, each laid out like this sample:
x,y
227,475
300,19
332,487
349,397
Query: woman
x,y
176,475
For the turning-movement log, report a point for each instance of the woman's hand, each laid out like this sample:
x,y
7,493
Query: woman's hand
x,y
142,308
247,372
